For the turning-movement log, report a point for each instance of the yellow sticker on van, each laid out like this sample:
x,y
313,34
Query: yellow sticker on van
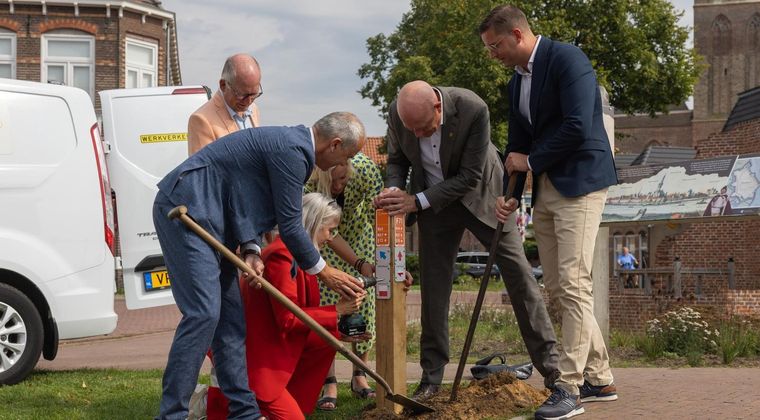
x,y
162,138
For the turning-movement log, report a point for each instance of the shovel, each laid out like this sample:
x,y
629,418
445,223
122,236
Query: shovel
x,y
415,407
481,295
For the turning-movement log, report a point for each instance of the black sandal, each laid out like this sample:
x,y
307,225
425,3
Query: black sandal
x,y
322,401
363,393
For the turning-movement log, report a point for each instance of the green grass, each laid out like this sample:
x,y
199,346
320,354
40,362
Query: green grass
x,y
496,332
83,394
467,283
115,394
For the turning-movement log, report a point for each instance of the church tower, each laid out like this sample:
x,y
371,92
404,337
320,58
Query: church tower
x,y
727,35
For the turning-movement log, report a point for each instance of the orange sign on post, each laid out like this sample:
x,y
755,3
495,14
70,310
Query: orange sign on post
x,y
382,228
399,231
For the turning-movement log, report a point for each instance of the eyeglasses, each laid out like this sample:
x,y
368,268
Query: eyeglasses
x,y
246,96
495,45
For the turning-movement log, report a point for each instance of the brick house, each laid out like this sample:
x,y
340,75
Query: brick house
x,y
700,244
91,44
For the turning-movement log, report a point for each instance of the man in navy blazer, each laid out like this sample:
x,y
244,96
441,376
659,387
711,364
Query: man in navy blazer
x,y
238,188
556,131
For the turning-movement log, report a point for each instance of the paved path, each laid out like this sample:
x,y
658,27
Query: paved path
x,y
143,337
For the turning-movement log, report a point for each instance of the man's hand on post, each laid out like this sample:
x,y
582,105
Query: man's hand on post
x,y
516,162
395,201
253,261
340,282
408,281
504,208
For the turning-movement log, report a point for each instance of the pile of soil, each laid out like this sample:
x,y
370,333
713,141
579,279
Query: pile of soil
x,y
497,396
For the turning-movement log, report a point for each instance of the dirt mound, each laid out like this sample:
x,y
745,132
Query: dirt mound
x,y
498,396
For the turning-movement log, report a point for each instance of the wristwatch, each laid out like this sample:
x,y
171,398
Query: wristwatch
x,y
417,202
251,251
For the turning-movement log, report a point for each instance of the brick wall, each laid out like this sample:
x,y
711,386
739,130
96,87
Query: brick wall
x,y
633,133
703,245
710,244
741,139
631,312
110,35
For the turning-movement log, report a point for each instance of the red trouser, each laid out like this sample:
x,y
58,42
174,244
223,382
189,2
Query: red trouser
x,y
300,395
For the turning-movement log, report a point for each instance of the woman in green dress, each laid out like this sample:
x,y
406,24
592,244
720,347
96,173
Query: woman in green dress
x,y
353,186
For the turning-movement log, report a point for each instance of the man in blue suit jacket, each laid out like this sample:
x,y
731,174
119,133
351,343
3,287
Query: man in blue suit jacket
x,y
238,188
556,131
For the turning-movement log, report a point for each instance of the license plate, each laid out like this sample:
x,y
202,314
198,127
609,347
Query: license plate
x,y
156,280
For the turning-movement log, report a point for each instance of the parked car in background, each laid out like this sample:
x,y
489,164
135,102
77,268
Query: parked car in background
x,y
474,263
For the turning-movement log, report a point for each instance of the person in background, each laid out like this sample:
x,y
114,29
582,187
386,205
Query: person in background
x,y
353,185
626,261
287,362
231,108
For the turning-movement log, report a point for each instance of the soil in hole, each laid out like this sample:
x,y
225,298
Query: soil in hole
x,y
497,396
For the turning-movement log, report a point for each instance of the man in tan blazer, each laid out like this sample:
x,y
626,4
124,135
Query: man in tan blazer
x,y
231,108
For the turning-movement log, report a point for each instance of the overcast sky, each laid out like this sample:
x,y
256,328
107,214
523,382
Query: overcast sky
x,y
309,50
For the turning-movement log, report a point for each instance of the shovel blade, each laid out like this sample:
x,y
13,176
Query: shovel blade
x,y
415,407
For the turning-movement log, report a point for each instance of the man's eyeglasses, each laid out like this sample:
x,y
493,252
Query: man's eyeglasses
x,y
246,96
495,45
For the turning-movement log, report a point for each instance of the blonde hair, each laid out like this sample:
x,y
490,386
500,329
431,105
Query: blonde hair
x,y
322,180
318,210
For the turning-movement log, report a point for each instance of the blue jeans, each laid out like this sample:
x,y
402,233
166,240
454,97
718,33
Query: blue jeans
x,y
207,293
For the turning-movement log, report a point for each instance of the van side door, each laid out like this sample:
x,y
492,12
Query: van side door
x,y
146,132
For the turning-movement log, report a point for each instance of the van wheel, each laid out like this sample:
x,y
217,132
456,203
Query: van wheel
x,y
21,335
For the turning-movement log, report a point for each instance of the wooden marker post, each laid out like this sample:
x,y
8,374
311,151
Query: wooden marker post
x,y
390,263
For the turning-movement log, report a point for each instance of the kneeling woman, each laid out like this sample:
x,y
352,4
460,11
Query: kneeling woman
x,y
287,362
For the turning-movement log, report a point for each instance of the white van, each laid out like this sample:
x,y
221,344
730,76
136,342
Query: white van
x,y
57,235
145,131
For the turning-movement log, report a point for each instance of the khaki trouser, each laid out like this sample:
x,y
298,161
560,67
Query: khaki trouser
x,y
566,231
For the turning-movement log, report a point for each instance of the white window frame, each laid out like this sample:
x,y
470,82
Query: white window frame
x,y
9,59
68,62
139,68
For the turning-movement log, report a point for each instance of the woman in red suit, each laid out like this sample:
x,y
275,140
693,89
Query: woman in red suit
x,y
287,362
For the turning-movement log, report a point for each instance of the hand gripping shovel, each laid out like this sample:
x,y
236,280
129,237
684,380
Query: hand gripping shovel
x,y
481,295
414,406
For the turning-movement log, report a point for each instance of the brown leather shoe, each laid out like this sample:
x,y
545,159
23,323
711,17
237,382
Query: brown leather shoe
x,y
425,391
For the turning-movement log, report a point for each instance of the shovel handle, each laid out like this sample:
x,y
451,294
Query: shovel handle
x,y
180,212
481,295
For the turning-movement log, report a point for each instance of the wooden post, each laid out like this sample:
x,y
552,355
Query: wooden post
x,y
390,306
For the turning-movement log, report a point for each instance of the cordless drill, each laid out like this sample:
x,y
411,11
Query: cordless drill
x,y
354,324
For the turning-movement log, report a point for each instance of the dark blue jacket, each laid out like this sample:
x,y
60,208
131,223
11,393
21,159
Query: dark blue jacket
x,y
241,185
567,139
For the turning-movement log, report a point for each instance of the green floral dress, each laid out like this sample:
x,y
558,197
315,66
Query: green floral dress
x,y
357,228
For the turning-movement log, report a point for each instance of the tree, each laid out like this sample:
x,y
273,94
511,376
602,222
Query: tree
x,y
636,46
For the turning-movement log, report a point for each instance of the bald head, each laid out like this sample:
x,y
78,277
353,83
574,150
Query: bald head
x,y
419,108
241,81
241,66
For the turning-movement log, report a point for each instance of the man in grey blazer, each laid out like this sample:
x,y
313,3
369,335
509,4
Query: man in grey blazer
x,y
443,134
237,188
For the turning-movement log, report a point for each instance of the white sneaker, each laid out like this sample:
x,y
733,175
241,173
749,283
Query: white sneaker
x,y
197,406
